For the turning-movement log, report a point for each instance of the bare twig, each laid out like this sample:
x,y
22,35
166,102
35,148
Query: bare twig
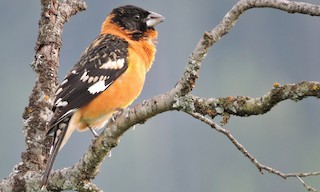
x,y
242,149
309,188
241,6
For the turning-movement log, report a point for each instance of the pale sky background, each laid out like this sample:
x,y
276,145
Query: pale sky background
x,y
173,152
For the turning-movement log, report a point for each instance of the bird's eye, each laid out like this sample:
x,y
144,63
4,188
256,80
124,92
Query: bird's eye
x,y
136,17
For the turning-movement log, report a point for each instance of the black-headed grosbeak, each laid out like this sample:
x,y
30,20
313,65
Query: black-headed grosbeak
x,y
110,75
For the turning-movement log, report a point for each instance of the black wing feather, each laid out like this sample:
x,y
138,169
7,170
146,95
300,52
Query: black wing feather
x,y
74,91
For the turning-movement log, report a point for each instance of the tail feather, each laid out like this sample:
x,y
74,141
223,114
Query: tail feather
x,y
58,138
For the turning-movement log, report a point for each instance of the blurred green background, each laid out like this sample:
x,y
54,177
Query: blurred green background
x,y
173,152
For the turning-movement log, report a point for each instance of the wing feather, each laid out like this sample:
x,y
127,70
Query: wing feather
x,y
99,66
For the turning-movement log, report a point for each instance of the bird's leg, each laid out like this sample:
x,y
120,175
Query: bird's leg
x,y
117,112
95,134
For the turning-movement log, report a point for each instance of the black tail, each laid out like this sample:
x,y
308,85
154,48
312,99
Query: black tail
x,y
58,137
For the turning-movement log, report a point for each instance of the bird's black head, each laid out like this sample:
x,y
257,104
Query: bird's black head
x,y
135,19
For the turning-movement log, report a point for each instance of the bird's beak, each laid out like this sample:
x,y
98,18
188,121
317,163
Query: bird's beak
x,y
153,19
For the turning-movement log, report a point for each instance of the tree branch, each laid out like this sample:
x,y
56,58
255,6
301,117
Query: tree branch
x,y
245,152
306,186
38,112
246,106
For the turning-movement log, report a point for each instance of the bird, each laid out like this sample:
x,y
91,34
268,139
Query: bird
x,y
109,76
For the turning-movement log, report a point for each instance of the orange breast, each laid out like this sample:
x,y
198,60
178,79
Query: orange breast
x,y
120,94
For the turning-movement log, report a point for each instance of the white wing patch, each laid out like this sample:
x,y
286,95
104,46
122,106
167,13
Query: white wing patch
x,y
98,87
117,64
64,82
92,79
60,103
84,76
59,91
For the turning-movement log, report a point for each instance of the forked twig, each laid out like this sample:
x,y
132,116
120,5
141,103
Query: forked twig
x,y
243,150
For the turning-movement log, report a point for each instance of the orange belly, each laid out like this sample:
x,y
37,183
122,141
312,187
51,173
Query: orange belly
x,y
120,94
